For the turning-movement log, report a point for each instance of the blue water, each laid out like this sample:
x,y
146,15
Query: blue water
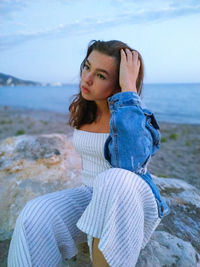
x,y
179,103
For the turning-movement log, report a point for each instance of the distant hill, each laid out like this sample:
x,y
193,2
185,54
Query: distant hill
x,y
8,80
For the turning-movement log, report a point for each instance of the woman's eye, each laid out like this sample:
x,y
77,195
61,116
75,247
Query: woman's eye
x,y
101,76
86,67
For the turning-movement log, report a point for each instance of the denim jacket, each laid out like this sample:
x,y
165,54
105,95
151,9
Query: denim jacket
x,y
134,138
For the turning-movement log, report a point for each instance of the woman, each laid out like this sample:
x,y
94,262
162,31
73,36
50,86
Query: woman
x,y
118,206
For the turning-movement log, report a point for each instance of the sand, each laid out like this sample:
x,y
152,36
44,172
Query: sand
x,y
178,157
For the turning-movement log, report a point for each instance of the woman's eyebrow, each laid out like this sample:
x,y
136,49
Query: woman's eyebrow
x,y
102,70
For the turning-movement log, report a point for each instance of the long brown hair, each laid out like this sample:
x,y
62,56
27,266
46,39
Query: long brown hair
x,y
84,111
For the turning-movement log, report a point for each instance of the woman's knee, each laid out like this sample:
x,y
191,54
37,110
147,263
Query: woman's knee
x,y
113,177
34,212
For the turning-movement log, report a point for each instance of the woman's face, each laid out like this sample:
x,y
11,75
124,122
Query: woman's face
x,y
99,75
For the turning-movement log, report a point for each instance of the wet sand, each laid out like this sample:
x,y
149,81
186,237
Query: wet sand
x,y
178,157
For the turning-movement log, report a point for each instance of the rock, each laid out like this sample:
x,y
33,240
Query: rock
x,y
165,249
184,201
31,166
176,241
35,165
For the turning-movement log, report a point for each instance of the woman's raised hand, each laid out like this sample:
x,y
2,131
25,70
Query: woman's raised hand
x,y
129,69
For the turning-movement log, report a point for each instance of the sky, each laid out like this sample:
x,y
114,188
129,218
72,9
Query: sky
x,y
46,40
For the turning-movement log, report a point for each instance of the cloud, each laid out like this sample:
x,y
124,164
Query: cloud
x,y
154,2
178,3
89,25
62,30
7,7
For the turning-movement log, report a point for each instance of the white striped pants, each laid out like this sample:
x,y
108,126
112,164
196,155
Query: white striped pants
x,y
120,210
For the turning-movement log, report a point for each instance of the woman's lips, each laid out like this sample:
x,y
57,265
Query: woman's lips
x,y
85,90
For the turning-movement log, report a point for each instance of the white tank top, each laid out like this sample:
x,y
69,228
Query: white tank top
x,y
91,148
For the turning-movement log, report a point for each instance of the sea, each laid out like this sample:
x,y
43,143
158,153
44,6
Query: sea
x,y
175,102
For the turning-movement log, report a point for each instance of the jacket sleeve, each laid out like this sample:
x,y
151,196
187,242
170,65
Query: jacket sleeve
x,y
134,133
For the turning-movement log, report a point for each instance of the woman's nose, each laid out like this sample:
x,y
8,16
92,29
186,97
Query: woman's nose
x,y
89,78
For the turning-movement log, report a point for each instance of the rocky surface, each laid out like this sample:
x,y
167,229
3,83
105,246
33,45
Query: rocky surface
x,y
34,165
31,166
167,250
176,240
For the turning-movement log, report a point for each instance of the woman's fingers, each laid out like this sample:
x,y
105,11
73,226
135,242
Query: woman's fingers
x,y
135,58
126,55
123,56
135,55
131,57
129,68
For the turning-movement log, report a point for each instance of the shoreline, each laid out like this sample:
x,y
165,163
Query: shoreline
x,y
178,157
40,111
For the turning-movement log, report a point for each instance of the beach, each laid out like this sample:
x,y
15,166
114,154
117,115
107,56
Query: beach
x,y
178,157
